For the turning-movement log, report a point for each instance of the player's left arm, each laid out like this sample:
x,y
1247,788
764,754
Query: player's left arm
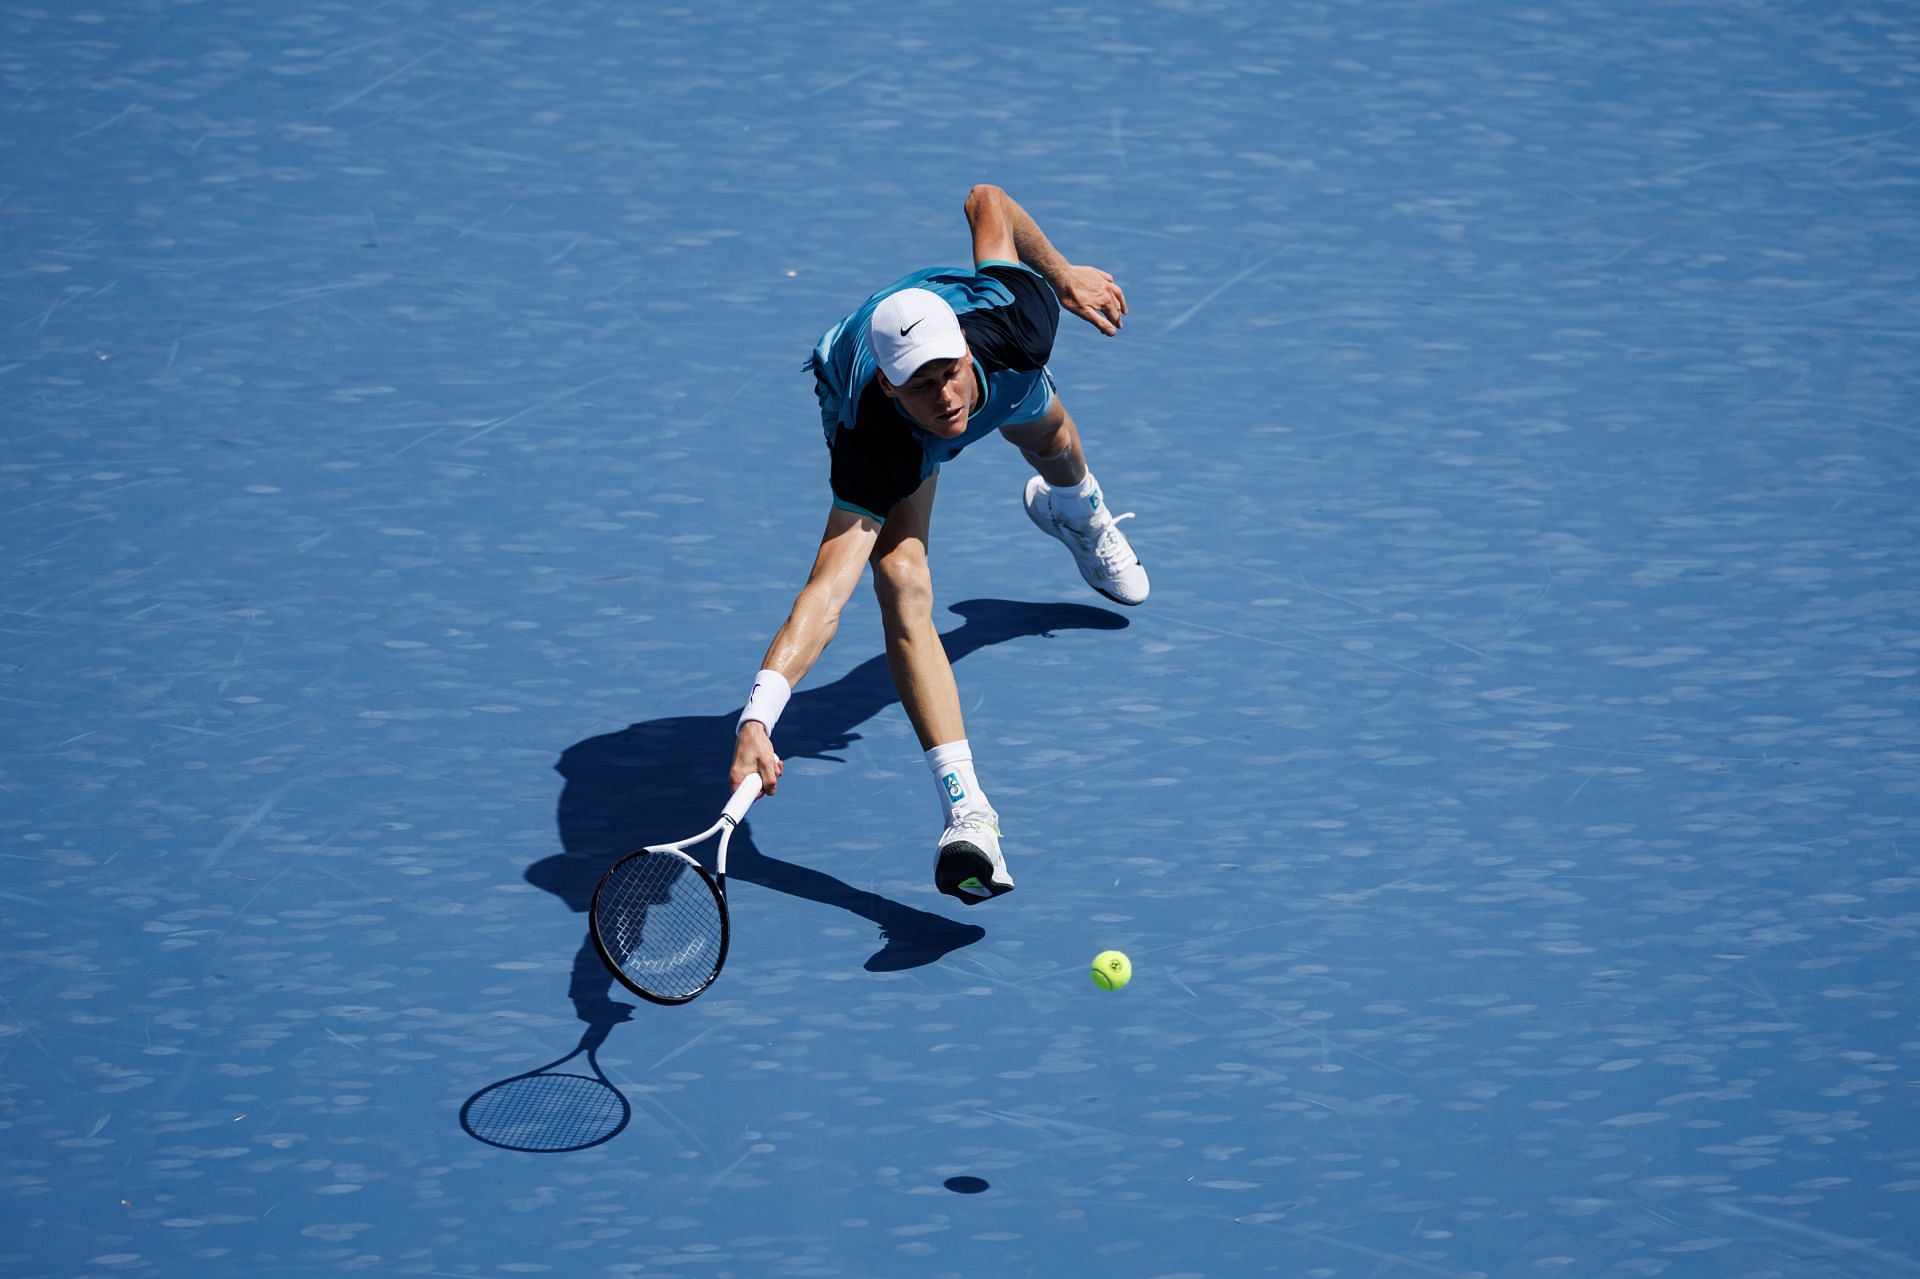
x,y
1005,232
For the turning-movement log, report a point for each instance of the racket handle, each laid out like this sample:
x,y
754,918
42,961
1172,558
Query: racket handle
x,y
749,790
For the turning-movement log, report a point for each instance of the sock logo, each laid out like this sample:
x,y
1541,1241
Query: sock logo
x,y
1093,499
955,790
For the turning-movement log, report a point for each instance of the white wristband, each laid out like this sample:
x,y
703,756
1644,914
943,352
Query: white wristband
x,y
769,698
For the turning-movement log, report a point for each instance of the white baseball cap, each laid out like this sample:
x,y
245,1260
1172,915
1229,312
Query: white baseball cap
x,y
911,327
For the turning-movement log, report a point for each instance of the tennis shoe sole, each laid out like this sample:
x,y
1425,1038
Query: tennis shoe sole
x,y
969,866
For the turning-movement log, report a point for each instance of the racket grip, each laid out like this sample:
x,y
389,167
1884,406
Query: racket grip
x,y
749,790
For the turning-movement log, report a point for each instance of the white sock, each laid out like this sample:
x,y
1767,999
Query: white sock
x,y
952,766
1078,502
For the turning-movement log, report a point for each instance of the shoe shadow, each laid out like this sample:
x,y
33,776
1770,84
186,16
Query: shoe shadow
x,y
659,779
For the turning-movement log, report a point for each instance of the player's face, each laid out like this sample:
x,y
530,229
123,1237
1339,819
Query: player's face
x,y
939,395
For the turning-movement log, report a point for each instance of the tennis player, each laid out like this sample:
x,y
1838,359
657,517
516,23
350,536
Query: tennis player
x,y
926,366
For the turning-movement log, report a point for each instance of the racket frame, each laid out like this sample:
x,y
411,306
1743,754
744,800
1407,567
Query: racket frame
x,y
750,789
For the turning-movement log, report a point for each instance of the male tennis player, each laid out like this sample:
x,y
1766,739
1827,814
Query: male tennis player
x,y
926,366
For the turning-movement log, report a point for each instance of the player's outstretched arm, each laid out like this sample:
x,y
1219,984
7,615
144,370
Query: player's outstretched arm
x,y
809,627
1005,232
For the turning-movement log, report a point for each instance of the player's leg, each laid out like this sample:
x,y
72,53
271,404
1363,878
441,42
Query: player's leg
x,y
968,864
1065,501
1051,444
903,584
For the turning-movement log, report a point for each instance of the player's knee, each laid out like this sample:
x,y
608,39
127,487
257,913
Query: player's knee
x,y
1041,442
979,196
904,587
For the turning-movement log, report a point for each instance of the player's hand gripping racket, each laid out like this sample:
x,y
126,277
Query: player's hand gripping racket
x,y
660,920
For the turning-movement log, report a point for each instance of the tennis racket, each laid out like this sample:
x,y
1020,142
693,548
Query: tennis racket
x,y
659,920
549,1110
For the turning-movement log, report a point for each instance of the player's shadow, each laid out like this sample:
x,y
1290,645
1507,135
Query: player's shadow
x,y
659,780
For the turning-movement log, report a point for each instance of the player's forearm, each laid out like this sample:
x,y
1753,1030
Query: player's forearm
x,y
797,646
808,630
830,584
1029,240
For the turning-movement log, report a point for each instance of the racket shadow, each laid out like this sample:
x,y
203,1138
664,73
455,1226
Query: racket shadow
x,y
550,1111
659,775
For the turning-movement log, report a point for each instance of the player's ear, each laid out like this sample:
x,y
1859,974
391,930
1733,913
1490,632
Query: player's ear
x,y
892,391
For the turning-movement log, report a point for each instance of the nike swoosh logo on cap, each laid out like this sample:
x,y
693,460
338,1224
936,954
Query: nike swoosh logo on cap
x,y
911,327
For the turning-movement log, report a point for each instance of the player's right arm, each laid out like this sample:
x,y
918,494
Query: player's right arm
x,y
1005,232
844,547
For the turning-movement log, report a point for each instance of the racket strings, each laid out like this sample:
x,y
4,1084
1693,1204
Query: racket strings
x,y
660,921
547,1113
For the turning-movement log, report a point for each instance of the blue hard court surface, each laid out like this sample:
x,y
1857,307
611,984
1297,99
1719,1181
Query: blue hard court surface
x,y
1508,795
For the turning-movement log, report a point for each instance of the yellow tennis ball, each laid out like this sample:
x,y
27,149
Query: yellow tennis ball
x,y
1111,970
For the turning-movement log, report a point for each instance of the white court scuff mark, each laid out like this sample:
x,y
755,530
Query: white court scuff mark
x,y
1905,1264
252,819
398,71
1196,308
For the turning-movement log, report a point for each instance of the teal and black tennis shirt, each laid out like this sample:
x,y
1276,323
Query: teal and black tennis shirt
x,y
1009,315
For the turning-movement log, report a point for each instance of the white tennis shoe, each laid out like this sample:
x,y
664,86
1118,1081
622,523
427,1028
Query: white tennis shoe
x,y
1105,557
969,865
